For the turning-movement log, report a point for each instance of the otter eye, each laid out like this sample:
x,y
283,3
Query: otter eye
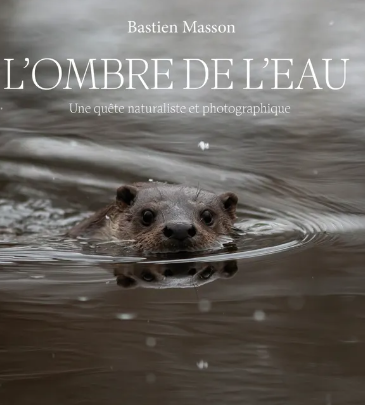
x,y
206,273
147,276
207,217
147,217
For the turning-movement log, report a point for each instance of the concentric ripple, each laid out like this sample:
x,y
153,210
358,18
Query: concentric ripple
x,y
268,232
277,218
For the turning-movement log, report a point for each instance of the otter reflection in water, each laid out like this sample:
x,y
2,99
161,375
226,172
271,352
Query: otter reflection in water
x,y
160,217
172,275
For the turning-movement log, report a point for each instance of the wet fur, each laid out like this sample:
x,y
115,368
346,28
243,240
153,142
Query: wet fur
x,y
121,221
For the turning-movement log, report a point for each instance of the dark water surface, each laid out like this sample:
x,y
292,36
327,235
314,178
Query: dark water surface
x,y
276,319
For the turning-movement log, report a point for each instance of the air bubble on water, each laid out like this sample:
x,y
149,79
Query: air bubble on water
x,y
150,179
203,145
83,299
202,364
125,316
150,378
204,305
259,315
151,342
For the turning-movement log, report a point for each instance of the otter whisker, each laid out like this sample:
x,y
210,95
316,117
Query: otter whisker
x,y
198,192
159,193
163,216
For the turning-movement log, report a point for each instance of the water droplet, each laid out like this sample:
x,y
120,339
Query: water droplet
x,y
150,179
151,342
202,145
125,317
259,315
202,364
204,305
83,299
107,217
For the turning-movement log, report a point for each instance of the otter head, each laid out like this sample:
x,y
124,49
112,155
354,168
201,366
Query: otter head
x,y
168,218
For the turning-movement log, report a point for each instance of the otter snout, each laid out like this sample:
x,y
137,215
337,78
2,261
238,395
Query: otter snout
x,y
179,231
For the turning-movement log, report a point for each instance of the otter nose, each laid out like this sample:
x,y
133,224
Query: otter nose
x,y
179,231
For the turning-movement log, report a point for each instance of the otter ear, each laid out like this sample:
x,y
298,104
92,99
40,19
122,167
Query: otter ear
x,y
126,195
229,201
230,269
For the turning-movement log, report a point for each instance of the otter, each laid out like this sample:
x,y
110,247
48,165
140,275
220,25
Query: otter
x,y
160,218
